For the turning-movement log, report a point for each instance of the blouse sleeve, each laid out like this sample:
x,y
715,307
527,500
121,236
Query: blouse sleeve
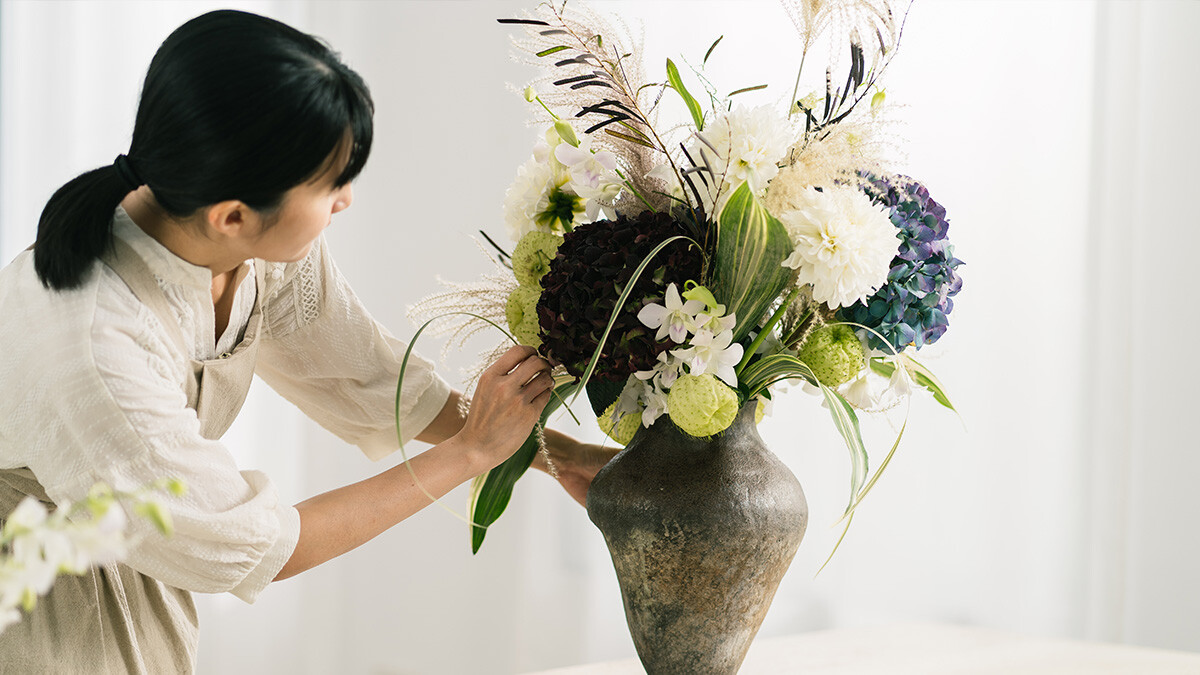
x,y
328,356
126,423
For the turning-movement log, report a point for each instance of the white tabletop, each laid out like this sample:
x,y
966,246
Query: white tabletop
x,y
932,649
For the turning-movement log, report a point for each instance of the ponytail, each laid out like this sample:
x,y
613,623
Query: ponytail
x,y
76,227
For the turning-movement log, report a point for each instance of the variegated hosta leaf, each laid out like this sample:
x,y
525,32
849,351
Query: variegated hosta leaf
x,y
748,271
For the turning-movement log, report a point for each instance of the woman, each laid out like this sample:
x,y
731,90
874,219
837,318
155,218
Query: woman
x,y
158,286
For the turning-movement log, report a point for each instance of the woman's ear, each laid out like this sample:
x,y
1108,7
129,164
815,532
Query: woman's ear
x,y
233,219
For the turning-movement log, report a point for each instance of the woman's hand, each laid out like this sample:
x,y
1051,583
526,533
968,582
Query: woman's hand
x,y
575,463
508,401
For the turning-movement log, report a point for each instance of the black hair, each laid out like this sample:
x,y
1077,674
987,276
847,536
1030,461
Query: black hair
x,y
235,106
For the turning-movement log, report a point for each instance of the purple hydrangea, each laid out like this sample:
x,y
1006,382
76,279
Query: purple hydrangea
x,y
912,307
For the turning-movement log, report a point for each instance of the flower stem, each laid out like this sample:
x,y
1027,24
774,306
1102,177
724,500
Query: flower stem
x,y
766,330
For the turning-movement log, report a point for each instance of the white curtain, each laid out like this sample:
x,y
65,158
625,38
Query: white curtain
x,y
1057,134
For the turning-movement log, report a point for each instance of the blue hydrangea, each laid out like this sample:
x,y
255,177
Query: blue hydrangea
x,y
912,307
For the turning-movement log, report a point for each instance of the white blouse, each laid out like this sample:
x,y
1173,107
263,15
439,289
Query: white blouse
x,y
90,390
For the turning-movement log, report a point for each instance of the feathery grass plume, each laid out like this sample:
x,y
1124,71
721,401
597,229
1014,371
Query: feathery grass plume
x,y
594,76
486,298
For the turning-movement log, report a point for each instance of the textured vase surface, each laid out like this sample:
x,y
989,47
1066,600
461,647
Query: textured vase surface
x,y
701,531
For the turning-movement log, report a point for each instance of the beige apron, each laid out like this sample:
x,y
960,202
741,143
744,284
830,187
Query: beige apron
x,y
116,620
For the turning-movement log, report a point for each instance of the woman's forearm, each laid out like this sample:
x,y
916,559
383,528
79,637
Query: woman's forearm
x,y
512,393
341,520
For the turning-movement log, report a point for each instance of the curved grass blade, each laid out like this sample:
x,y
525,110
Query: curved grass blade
x,y
587,373
839,543
710,50
746,89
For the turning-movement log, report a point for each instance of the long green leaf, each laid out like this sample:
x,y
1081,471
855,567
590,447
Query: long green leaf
x,y
846,422
748,271
491,492
692,106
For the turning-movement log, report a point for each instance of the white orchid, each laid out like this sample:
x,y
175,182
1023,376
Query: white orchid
x,y
676,318
593,175
712,353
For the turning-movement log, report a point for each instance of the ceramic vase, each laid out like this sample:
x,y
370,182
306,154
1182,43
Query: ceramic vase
x,y
701,530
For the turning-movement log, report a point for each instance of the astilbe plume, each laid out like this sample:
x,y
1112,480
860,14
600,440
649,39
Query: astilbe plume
x,y
594,264
912,307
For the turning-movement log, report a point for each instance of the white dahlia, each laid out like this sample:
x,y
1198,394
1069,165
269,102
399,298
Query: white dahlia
x,y
844,244
749,144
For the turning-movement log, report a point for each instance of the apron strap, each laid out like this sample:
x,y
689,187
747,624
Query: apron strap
x,y
130,267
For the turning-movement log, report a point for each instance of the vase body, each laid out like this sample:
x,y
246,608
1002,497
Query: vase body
x,y
701,530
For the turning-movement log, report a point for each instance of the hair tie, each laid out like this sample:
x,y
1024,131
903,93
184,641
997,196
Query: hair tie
x,y
126,172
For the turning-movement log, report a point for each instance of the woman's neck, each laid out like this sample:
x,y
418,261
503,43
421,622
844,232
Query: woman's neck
x,y
186,239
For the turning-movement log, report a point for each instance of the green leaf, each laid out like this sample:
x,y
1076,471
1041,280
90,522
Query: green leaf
x,y
746,89
491,492
710,50
748,271
846,422
631,139
692,106
552,50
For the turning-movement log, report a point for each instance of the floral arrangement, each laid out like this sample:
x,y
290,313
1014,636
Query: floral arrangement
x,y
686,272
37,545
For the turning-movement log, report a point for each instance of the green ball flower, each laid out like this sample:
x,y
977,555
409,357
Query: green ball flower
x,y
532,255
521,312
835,354
702,405
623,430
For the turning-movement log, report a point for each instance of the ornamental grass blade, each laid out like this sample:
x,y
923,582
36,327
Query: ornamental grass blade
x,y
748,271
768,370
491,492
846,422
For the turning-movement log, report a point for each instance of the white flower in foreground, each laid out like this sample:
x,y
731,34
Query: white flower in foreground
x,y
749,144
867,391
714,354
844,244
676,318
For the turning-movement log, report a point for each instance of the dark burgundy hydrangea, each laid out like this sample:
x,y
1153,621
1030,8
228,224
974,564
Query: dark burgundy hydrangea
x,y
912,307
594,263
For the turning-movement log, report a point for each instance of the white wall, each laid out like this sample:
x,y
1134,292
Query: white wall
x,y
1057,134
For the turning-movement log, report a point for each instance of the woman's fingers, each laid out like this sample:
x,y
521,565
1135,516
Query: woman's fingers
x,y
541,384
511,359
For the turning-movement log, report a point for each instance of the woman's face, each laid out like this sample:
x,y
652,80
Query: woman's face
x,y
305,213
